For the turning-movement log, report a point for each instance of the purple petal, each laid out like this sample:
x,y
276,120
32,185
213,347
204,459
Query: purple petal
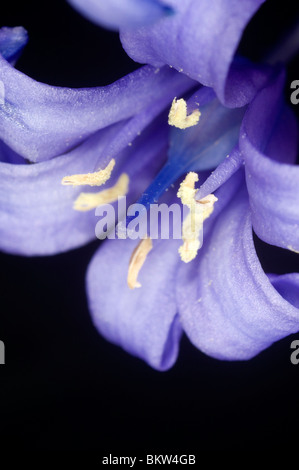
x,y
115,14
12,42
221,174
37,216
143,321
36,210
269,144
227,304
200,39
40,121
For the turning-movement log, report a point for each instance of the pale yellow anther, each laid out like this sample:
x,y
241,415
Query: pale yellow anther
x,y
187,190
178,115
137,260
91,179
189,250
199,212
88,201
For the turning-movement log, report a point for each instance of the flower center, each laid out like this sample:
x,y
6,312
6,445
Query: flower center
x,y
199,142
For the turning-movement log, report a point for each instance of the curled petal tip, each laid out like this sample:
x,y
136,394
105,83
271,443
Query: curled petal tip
x,y
128,14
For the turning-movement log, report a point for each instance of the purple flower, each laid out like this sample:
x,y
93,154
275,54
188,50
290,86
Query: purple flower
x,y
222,299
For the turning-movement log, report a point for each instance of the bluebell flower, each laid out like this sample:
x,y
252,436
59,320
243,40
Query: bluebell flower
x,y
223,300
204,298
243,153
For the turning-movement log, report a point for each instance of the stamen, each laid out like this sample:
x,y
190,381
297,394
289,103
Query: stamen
x,y
178,115
187,190
199,148
193,223
137,260
89,201
191,230
92,179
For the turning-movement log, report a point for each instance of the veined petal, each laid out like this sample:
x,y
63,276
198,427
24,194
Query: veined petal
x,y
143,321
200,40
12,42
269,145
40,122
37,216
228,306
36,211
115,14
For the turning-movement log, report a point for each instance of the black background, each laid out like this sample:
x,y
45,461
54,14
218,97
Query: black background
x,y
63,386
